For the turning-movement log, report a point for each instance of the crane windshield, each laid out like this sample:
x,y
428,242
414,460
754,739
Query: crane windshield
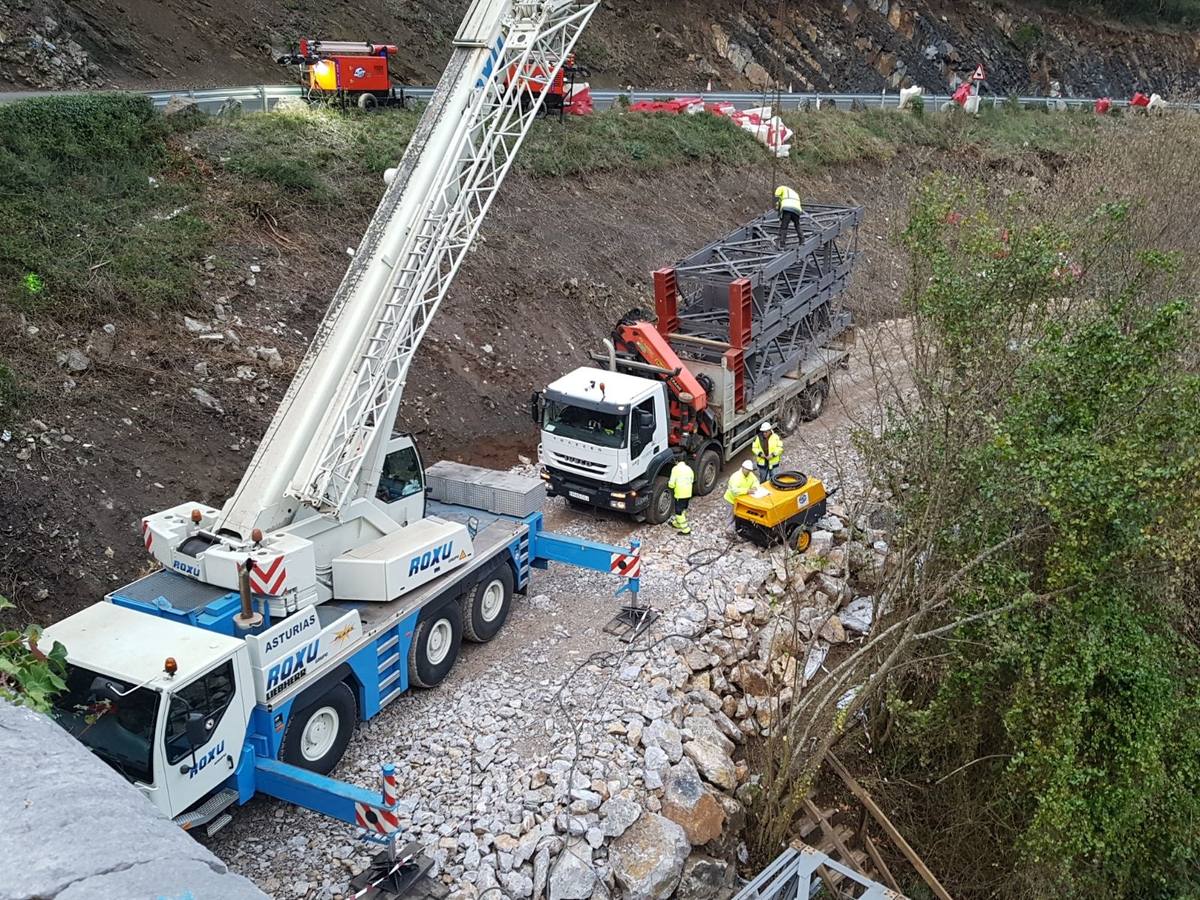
x,y
605,429
118,730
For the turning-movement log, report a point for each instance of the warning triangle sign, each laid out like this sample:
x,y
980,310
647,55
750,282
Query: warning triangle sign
x,y
978,75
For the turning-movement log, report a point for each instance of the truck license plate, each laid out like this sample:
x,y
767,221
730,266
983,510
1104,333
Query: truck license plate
x,y
578,496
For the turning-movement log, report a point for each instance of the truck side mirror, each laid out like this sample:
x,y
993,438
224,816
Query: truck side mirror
x,y
197,728
535,407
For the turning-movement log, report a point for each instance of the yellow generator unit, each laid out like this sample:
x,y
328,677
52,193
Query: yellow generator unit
x,y
782,510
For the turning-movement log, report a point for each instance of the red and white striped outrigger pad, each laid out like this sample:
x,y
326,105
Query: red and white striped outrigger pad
x,y
627,564
379,819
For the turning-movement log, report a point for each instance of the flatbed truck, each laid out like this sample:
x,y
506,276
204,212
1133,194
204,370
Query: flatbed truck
x,y
755,334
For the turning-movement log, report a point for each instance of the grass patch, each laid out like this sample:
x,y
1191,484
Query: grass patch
x,y
304,155
633,142
97,210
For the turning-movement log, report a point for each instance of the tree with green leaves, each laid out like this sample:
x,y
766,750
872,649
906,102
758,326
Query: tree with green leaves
x,y
1044,465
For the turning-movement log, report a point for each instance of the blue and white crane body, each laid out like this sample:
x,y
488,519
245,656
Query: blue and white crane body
x,y
333,579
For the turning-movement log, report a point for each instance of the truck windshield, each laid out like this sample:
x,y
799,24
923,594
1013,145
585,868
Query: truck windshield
x,y
120,731
602,428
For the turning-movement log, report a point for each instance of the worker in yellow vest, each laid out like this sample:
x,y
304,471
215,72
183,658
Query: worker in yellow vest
x,y
787,204
681,481
741,482
767,451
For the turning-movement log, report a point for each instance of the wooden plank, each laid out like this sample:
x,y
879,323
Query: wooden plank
x,y
876,860
830,832
892,832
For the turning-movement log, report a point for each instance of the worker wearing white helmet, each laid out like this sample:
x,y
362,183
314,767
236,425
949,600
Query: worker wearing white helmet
x,y
767,451
741,482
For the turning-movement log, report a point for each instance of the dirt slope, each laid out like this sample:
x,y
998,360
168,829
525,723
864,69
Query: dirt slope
x,y
855,45
559,261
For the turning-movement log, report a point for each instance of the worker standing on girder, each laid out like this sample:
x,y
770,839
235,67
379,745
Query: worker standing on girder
x,y
767,451
787,204
741,482
680,483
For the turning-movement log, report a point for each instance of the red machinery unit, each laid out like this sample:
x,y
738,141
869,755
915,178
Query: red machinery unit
x,y
561,89
346,71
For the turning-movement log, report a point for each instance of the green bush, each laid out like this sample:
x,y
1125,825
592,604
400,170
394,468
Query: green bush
x,y
1057,737
29,676
96,207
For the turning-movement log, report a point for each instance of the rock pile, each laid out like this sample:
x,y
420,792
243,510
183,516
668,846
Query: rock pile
x,y
43,55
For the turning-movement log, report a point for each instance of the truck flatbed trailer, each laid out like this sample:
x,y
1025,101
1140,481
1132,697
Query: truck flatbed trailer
x,y
744,332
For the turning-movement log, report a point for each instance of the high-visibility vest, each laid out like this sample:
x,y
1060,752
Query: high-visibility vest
x,y
682,478
740,482
787,200
774,450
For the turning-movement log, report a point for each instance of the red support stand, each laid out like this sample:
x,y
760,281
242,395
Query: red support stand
x,y
741,309
666,301
735,362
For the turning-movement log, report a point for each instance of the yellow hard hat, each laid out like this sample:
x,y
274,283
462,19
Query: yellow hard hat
x,y
780,191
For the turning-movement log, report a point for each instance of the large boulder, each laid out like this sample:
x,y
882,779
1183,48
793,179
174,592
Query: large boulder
x,y
73,828
661,733
691,805
572,877
618,814
705,878
705,729
648,859
713,762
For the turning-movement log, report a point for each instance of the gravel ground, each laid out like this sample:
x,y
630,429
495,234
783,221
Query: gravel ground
x,y
532,743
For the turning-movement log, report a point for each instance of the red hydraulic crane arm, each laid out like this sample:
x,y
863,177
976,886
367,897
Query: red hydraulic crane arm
x,y
689,400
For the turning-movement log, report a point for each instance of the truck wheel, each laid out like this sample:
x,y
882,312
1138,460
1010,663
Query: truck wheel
x,y
708,470
435,647
662,502
790,417
317,735
814,399
486,608
367,102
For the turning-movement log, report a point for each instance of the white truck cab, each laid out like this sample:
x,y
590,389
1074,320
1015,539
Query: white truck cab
x,y
604,438
165,705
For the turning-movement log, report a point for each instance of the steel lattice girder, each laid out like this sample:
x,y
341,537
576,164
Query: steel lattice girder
x,y
792,290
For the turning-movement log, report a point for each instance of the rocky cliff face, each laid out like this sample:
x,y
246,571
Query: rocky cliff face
x,y
867,45
820,45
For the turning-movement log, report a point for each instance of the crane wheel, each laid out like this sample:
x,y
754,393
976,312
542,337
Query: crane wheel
x,y
485,609
317,735
435,646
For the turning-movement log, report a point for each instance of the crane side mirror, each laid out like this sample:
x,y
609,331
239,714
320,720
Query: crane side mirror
x,y
197,727
536,406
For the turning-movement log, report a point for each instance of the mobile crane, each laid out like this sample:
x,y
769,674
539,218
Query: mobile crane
x,y
331,580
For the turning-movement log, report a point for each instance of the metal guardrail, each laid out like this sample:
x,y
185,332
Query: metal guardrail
x,y
794,875
264,97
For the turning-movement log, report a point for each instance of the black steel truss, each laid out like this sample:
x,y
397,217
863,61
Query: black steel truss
x,y
793,292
